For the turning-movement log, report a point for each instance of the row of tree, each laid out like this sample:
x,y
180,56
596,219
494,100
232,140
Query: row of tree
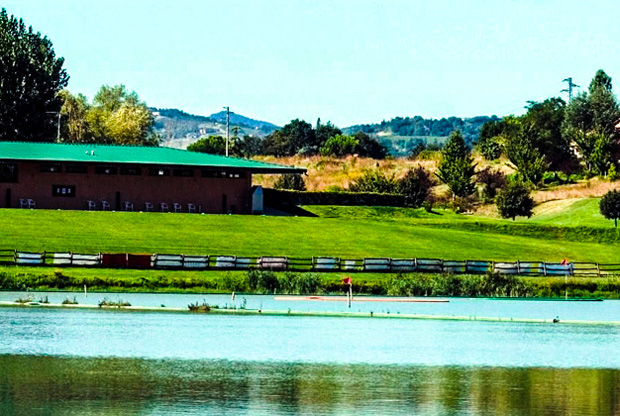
x,y
116,116
34,103
556,136
297,137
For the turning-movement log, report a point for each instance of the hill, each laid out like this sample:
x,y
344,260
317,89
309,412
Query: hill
x,y
401,134
180,129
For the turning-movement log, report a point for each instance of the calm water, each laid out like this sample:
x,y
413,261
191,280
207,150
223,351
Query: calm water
x,y
70,362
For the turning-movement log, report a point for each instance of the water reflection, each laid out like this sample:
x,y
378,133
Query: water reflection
x,y
62,386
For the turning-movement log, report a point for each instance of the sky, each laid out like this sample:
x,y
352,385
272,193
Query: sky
x,y
348,61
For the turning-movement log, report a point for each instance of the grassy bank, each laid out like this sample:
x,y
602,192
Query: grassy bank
x,y
352,232
414,284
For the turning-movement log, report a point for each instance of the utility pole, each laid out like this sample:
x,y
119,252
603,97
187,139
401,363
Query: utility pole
x,y
227,127
569,90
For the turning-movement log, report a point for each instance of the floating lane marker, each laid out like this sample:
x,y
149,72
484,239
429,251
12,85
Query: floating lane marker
x,y
325,314
360,299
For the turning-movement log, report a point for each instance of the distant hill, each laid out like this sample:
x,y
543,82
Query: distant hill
x,y
400,134
242,121
180,129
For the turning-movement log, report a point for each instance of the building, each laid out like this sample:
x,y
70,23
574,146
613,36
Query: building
x,y
96,177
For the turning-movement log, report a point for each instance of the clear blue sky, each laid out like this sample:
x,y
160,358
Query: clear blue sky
x,y
349,61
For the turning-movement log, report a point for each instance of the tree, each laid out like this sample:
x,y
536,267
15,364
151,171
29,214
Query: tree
x,y
215,145
520,148
545,120
492,181
339,146
116,116
324,132
415,186
610,206
369,147
589,123
487,143
74,128
514,200
456,168
297,136
30,78
293,181
248,146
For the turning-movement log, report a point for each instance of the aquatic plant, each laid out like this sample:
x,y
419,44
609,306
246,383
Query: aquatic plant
x,y
110,303
201,307
68,301
23,300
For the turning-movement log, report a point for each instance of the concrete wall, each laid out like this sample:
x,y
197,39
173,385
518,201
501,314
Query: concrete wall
x,y
205,192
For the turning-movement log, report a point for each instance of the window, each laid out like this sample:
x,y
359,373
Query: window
x,y
210,173
76,169
8,172
131,170
51,168
105,170
159,171
236,175
63,190
186,173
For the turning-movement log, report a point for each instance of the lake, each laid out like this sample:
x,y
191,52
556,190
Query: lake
x,y
67,362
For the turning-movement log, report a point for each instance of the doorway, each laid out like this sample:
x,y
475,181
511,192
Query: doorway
x,y
7,202
224,204
118,201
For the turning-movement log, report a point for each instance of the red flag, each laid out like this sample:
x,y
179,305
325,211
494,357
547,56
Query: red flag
x,y
564,262
347,280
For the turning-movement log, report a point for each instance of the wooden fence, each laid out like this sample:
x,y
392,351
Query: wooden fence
x,y
313,264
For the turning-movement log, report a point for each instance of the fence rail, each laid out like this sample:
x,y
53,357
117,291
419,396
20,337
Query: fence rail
x,y
312,264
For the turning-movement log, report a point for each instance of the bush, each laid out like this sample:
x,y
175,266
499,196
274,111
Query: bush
x,y
515,200
293,181
610,206
415,186
374,181
339,146
264,281
492,181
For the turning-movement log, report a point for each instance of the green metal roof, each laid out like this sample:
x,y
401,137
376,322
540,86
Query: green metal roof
x,y
98,153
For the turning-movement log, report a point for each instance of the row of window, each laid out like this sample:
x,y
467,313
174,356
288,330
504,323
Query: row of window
x,y
134,170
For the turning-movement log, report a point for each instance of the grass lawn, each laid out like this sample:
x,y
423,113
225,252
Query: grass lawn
x,y
352,232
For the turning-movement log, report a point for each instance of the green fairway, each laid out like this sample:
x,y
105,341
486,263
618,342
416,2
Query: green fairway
x,y
352,232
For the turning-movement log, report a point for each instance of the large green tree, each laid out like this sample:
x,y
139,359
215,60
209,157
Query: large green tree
x,y
30,77
456,168
520,147
589,124
116,116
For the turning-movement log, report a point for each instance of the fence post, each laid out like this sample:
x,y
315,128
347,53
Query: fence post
x,y
598,270
518,268
544,263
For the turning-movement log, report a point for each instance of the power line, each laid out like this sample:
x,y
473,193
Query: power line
x,y
569,90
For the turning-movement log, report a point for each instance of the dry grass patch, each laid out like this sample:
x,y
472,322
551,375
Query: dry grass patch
x,y
593,188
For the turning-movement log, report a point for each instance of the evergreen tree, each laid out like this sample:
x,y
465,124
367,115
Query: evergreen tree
x,y
415,186
30,77
456,168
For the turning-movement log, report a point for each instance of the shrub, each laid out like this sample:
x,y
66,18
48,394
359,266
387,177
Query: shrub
x,y
415,186
264,281
492,181
515,200
293,181
339,146
374,181
610,206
